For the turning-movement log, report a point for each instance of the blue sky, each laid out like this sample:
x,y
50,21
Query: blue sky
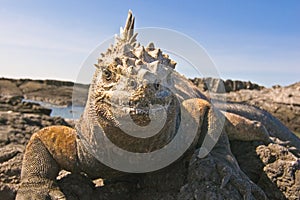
x,y
247,40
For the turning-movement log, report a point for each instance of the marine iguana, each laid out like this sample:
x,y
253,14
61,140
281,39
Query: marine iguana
x,y
140,82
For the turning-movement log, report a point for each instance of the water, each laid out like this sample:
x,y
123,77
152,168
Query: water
x,y
70,112
67,112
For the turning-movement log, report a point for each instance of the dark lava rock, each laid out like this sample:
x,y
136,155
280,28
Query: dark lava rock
x,y
16,104
220,86
282,169
272,167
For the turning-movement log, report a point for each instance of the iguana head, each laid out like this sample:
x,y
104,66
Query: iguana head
x,y
133,81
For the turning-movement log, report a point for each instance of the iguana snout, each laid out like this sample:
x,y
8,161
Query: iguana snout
x,y
148,98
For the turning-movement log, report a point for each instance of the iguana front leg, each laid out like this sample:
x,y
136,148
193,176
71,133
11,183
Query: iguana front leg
x,y
217,176
218,171
49,150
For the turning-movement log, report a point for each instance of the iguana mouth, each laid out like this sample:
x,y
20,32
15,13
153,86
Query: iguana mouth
x,y
139,114
138,111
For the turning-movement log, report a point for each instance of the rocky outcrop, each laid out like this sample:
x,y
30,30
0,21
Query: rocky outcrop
x,y
272,167
16,104
60,92
281,168
220,86
51,91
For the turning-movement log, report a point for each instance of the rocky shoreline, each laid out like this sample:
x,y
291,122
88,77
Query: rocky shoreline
x,y
19,120
50,91
60,92
282,102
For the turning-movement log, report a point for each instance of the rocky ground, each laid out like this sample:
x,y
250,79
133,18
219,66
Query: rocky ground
x,y
272,167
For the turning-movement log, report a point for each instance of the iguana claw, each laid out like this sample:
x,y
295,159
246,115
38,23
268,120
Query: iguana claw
x,y
218,173
226,172
57,195
234,176
39,193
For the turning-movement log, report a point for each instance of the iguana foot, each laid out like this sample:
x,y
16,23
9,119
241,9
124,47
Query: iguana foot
x,y
218,176
230,173
42,190
237,179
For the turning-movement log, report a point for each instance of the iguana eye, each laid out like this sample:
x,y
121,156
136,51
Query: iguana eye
x,y
107,74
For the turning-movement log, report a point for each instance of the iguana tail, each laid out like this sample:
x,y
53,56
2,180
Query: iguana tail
x,y
273,125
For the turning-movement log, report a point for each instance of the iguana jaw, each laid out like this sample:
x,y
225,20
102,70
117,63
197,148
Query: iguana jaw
x,y
139,109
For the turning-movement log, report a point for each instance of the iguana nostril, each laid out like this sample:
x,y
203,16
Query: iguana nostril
x,y
131,103
156,86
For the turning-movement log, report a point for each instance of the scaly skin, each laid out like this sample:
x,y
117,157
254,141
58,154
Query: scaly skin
x,y
130,80
48,151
